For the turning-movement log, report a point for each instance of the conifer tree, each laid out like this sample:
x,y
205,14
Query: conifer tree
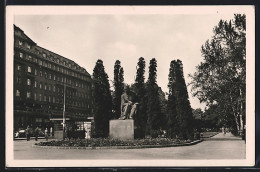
x,y
102,100
183,108
119,87
140,118
172,124
153,103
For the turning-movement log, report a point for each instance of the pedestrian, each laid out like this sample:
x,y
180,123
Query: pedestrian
x,y
46,134
51,131
28,132
36,133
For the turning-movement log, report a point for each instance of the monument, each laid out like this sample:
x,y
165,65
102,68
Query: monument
x,y
123,128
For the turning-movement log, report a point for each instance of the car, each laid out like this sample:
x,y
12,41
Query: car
x,y
20,134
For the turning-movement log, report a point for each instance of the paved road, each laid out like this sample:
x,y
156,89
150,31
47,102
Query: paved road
x,y
218,147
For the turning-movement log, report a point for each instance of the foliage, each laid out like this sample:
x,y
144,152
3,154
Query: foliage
x,y
103,142
220,78
102,100
139,88
154,112
180,119
119,88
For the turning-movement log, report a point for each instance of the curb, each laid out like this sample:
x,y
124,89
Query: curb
x,y
119,147
210,135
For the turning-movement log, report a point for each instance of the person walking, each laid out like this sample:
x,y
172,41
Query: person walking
x,y
28,133
51,132
46,134
36,133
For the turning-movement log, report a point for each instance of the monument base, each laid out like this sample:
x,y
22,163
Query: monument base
x,y
121,129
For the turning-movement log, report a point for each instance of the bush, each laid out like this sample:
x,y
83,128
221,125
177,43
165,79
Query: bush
x,y
103,142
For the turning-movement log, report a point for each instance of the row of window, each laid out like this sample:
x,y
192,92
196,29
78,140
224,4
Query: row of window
x,y
21,44
52,88
52,66
52,99
58,78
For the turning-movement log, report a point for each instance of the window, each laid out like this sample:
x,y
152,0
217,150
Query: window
x,y
21,55
34,59
45,87
40,73
17,93
40,97
61,69
58,68
30,58
44,64
49,98
35,84
49,87
18,80
49,65
54,77
28,46
29,69
35,96
54,88
20,43
45,98
40,85
45,74
49,76
28,81
40,62
53,99
35,72
18,67
44,55
28,95
38,120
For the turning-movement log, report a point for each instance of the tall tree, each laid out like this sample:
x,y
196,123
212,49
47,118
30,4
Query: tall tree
x,y
220,78
172,123
154,114
102,100
139,87
183,108
119,87
180,119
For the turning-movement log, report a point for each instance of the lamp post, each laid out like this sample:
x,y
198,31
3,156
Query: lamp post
x,y
64,117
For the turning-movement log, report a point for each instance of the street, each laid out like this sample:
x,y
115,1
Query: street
x,y
218,147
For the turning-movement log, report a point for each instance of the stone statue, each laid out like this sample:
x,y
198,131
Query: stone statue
x,y
128,108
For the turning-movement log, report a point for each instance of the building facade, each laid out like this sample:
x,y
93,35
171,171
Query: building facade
x,y
42,82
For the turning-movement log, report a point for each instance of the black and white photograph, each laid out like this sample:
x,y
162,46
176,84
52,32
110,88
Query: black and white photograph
x,y
123,86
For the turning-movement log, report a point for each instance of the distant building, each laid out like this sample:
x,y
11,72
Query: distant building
x,y
40,77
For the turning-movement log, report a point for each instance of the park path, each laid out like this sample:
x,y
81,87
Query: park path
x,y
219,146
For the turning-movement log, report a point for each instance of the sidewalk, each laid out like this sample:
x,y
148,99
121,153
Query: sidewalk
x,y
31,138
221,136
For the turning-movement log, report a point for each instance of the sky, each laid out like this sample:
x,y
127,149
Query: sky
x,y
87,38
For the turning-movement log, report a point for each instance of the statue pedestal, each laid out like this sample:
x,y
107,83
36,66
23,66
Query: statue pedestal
x,y
121,129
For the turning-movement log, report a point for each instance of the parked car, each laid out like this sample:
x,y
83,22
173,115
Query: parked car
x,y
20,134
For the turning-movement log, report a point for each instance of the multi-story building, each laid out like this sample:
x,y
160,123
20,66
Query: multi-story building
x,y
42,81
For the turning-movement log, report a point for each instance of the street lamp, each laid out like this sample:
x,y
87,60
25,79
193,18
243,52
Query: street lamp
x,y
64,117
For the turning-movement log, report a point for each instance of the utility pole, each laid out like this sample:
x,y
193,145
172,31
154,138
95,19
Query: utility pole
x,y
64,117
